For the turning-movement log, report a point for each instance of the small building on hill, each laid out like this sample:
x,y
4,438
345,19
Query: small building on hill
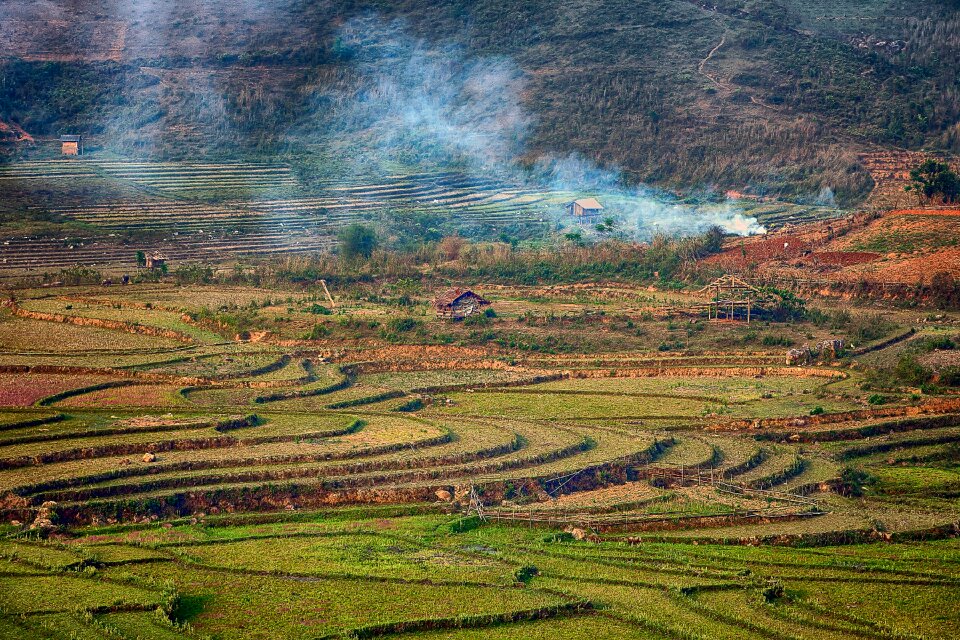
x,y
458,303
71,145
585,210
155,261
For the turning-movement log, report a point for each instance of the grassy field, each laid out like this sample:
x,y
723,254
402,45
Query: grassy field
x,y
459,490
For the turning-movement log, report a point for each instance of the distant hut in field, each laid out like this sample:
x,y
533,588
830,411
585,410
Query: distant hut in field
x,y
585,210
71,145
155,261
458,303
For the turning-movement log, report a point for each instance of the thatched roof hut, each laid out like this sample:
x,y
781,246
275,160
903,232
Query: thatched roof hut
x,y
458,303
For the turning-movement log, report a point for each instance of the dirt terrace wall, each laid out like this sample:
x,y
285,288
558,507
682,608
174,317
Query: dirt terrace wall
x,y
315,495
420,352
210,325
708,372
113,325
826,538
149,376
950,405
637,360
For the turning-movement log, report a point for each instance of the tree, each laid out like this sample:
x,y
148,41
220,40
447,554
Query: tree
x,y
357,241
932,179
193,273
608,226
713,239
944,289
141,259
451,246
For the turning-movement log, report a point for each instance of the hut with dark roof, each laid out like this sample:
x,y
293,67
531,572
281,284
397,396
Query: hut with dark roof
x,y
71,145
458,303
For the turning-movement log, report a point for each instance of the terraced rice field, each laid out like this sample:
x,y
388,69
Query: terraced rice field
x,y
182,492
191,211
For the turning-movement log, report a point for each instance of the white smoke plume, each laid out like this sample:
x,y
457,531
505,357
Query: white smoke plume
x,y
639,211
430,105
425,105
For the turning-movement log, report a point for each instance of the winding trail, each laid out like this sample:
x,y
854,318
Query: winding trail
x,y
703,64
720,84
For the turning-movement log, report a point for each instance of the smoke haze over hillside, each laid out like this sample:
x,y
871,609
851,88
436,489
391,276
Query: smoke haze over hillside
x,y
431,106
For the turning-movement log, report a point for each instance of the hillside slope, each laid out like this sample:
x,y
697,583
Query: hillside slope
x,y
756,95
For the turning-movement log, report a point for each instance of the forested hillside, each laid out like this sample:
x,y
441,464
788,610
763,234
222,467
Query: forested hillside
x,y
766,96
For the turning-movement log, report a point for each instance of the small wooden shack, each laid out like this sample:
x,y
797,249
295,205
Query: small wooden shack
x,y
71,145
155,261
585,210
458,303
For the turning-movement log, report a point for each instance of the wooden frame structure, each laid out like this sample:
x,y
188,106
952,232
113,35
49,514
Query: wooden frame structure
x,y
728,295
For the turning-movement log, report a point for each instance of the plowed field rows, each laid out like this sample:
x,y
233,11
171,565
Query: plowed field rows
x,y
191,211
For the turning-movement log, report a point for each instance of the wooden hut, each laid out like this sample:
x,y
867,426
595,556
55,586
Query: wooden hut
x,y
457,303
155,261
585,210
71,145
730,297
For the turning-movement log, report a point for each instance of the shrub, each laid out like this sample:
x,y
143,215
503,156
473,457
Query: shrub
x,y
78,275
878,399
911,372
853,482
950,377
357,241
319,309
561,536
816,411
526,573
466,524
868,328
773,590
318,332
934,179
788,307
936,343
451,246
832,320
404,325
477,320
193,274
409,407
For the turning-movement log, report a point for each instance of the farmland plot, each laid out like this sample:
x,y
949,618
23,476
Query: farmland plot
x,y
194,210
364,501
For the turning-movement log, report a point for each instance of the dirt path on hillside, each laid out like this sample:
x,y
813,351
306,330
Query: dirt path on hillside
x,y
702,67
720,84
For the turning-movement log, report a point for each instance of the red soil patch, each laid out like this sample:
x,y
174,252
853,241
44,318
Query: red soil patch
x,y
842,258
22,390
134,396
781,247
926,212
915,269
12,131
